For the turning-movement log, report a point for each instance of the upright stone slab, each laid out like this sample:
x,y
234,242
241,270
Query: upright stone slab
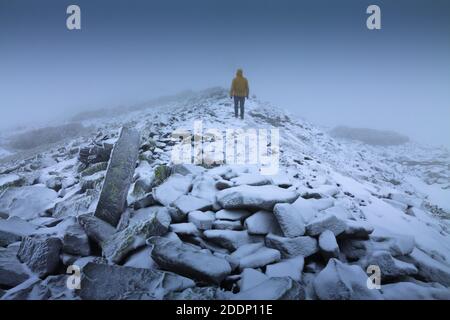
x,y
118,176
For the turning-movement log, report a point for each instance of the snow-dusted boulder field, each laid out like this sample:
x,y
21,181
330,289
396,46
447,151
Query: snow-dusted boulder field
x,y
313,230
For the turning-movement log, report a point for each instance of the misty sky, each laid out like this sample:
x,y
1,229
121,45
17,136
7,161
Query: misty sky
x,y
315,58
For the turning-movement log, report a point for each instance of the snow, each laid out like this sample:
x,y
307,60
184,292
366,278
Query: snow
x,y
259,258
251,278
262,222
287,268
435,192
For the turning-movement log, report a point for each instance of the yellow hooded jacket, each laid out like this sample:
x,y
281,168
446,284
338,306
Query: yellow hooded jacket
x,y
239,86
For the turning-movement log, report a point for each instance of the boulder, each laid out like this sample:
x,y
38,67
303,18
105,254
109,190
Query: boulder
x,y
339,281
75,241
357,229
12,272
13,229
289,219
291,247
76,204
326,222
110,282
261,257
171,189
254,197
230,239
227,225
40,253
27,202
389,266
134,236
118,176
184,229
188,203
185,260
414,291
273,289
202,220
251,278
262,223
233,215
251,179
328,245
10,180
292,268
96,229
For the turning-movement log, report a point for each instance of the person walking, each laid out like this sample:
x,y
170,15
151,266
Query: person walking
x,y
239,91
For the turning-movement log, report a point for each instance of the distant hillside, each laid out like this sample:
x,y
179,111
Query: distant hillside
x,y
370,136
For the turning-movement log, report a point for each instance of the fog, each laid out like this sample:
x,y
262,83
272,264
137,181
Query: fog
x,y
314,58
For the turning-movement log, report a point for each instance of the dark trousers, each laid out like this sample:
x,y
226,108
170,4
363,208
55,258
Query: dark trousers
x,y
239,104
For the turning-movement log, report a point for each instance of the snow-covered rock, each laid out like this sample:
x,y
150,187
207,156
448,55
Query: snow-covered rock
x,y
291,247
390,267
40,254
202,220
12,272
234,215
273,289
262,223
326,222
257,197
289,219
184,228
259,258
251,278
230,239
184,260
414,291
292,268
110,282
27,202
13,229
339,281
227,225
328,245
75,241
173,188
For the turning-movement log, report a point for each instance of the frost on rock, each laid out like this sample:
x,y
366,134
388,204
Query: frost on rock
x,y
188,203
291,247
202,220
230,239
339,281
259,258
12,272
290,220
328,245
109,282
326,222
262,223
273,289
292,268
233,215
256,197
27,202
251,278
173,188
184,260
13,229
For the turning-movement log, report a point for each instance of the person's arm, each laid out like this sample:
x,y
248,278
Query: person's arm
x,y
247,89
232,89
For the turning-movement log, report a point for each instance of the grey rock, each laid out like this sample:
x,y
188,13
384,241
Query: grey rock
x,y
357,229
96,229
196,293
231,239
13,229
188,203
227,225
110,282
12,272
75,241
233,215
328,245
291,247
255,197
262,223
76,204
202,220
389,266
135,235
40,254
118,177
289,219
273,289
339,281
326,222
184,260
171,189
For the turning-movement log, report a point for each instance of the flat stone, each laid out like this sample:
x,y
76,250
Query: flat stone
x,y
230,239
255,197
261,257
13,229
202,220
110,282
262,223
171,189
12,272
227,225
291,247
289,219
233,215
185,228
389,266
273,289
188,203
251,278
75,241
185,260
292,268
96,229
326,222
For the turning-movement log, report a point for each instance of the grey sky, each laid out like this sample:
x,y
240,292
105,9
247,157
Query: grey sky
x,y
315,58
